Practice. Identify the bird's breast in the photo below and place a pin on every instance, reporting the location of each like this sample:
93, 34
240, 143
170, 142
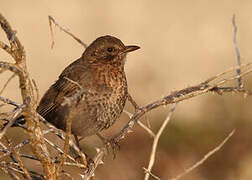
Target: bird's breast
112, 92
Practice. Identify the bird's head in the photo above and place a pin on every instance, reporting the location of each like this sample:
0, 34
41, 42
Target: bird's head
107, 50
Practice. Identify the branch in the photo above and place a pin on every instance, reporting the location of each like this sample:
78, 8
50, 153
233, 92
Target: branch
66, 145
51, 20
13, 118
155, 141
187, 93
240, 85
9, 101
19, 161
97, 161
27, 92
7, 82
207, 156
148, 130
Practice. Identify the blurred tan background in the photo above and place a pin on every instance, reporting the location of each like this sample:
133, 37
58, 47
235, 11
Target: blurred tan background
182, 43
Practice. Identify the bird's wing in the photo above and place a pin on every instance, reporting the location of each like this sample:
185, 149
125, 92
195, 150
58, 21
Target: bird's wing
66, 86
55, 95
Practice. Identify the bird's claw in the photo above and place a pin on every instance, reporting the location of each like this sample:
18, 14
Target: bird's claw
113, 145
110, 144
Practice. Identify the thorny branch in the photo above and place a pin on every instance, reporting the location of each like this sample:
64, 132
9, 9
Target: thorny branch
187, 93
37, 139
16, 50
16, 154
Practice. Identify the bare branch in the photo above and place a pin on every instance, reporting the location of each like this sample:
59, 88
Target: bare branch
5, 47
155, 141
11, 67
188, 93
7, 82
8, 101
7, 152
133, 102
13, 118
97, 161
149, 131
152, 175
66, 145
240, 85
19, 161
33, 129
51, 19
210, 153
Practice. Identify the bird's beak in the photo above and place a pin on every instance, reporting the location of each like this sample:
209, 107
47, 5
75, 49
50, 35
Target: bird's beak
130, 49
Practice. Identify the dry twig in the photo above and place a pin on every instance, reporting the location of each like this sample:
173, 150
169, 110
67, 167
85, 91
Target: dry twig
155, 141
240, 85
51, 20
27, 92
210, 153
19, 161
7, 82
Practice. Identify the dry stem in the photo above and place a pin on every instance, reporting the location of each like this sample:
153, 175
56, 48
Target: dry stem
155, 141
210, 153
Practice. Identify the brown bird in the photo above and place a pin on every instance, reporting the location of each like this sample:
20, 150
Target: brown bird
99, 72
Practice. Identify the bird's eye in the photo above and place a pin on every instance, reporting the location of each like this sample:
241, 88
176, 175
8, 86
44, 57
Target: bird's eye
110, 49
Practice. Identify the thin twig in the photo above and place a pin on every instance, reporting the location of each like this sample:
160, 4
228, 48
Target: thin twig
51, 19
36, 90
221, 74
13, 118
210, 153
149, 131
133, 102
155, 141
153, 175
19, 161
240, 85
98, 159
11, 67
5, 47
187, 93
66, 145
12, 174
58, 149
60, 135
7, 82
7, 152
9, 101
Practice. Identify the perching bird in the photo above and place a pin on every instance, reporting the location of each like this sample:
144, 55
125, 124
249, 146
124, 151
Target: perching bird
99, 73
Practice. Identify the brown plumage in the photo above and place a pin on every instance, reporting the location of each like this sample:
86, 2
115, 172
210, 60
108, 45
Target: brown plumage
100, 73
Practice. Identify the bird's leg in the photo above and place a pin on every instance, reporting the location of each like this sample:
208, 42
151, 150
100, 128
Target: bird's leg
77, 156
110, 143
77, 141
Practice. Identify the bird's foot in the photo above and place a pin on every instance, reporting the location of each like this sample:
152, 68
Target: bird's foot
82, 158
110, 144
89, 160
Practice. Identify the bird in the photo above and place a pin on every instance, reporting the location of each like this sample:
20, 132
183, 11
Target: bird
99, 74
